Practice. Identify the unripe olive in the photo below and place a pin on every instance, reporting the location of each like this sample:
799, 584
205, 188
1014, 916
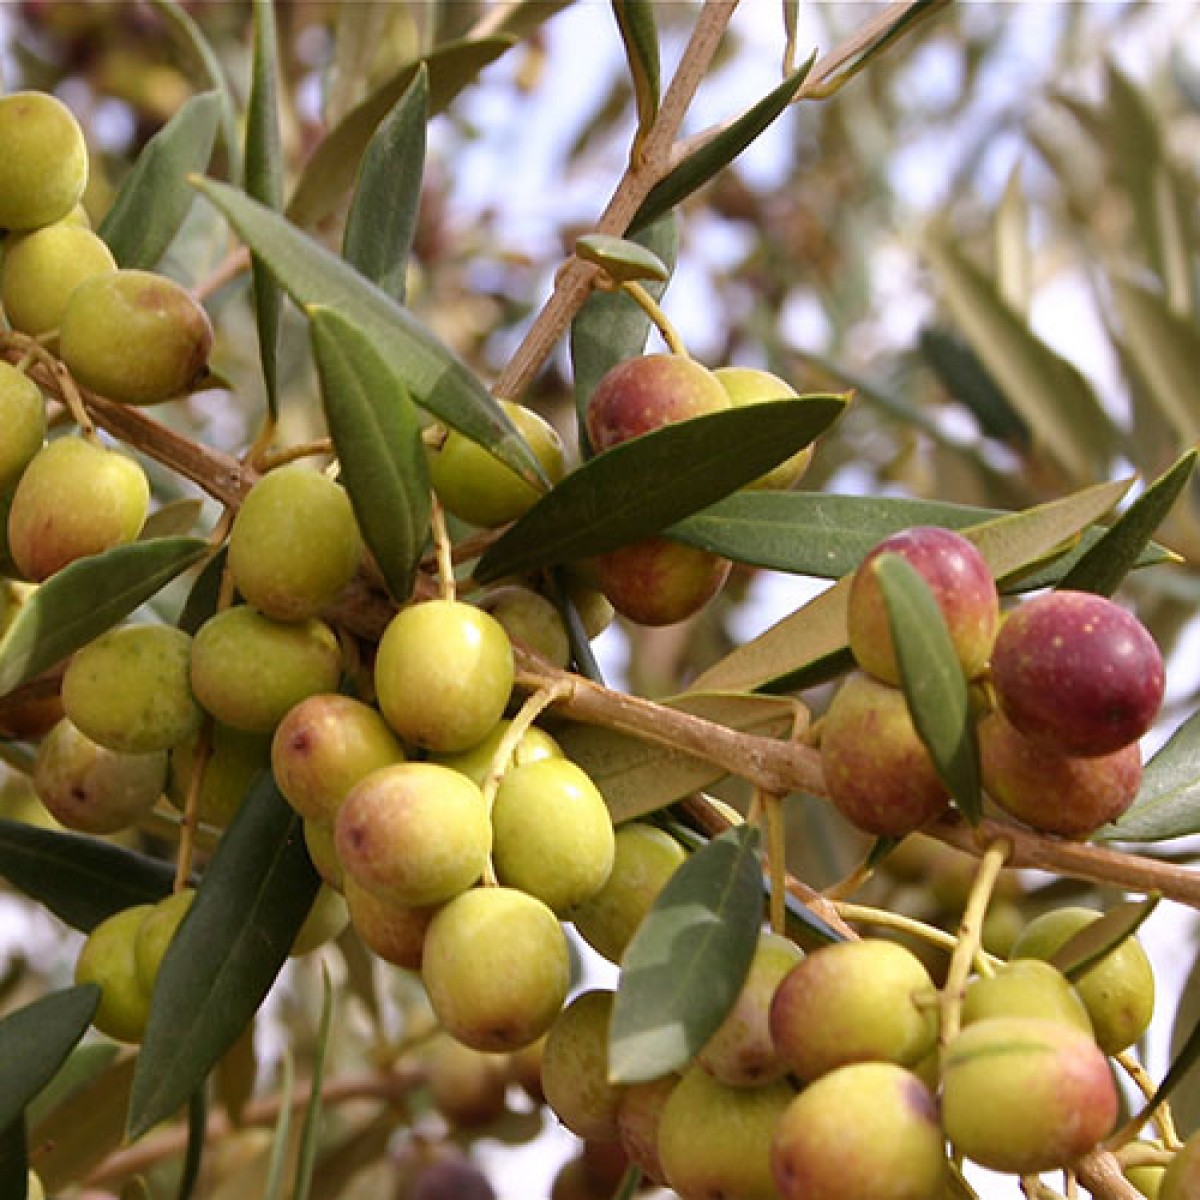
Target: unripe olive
749, 385
1182, 1178
867, 1131
1149, 1181
250, 671
443, 674
528, 617
134, 336
868, 1000
235, 760
1026, 987
414, 833
75, 499
129, 689
91, 789
715, 1140
477, 487
742, 1052
1026, 1096
1117, 990
638, 1119
395, 932
326, 919
43, 160
108, 959
23, 419
324, 746
575, 1068
294, 544
41, 269
496, 967
553, 837
476, 762
155, 933
644, 858
322, 851
468, 1087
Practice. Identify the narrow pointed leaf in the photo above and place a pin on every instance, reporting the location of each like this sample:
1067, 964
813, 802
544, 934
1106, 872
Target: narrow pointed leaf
1111, 558
700, 166
686, 964
932, 679
818, 629
35, 1042
637, 776
184, 31
155, 197
197, 1130
635, 19
1084, 949
281, 1137
175, 519
960, 371
1182, 1063
433, 374
383, 212
377, 435
1168, 802
83, 1066
80, 879
84, 599
264, 181
621, 258
612, 327
648, 483
310, 1131
1048, 391
14, 1163
218, 969
1014, 257
330, 171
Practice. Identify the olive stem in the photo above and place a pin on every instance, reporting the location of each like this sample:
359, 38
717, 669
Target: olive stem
653, 310
771, 809
269, 460
443, 549
190, 822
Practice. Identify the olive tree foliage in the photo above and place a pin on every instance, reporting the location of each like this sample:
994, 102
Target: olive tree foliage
340, 184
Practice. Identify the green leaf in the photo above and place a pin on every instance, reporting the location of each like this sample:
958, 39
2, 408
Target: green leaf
330, 171
611, 326
1185, 1027
1164, 349
1084, 949
637, 776
1114, 554
377, 435
220, 965
277, 1163
1014, 257
817, 631
264, 182
155, 197
177, 518
80, 879
84, 599
83, 1066
435, 376
14, 1168
310, 1131
1048, 391
635, 19
383, 212
646, 484
701, 165
688, 960
197, 1131
184, 31
35, 1042
932, 680
1168, 802
620, 258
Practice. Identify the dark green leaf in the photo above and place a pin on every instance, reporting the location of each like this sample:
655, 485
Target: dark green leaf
197, 1129
1113, 555
155, 197
612, 327
310, 1131
688, 960
36, 1040
620, 258
219, 967
1047, 390
14, 1168
204, 595
80, 879
383, 212
1084, 949
932, 679
187, 34
635, 19
1168, 802
84, 599
435, 376
330, 171
700, 166
377, 435
648, 483
264, 181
